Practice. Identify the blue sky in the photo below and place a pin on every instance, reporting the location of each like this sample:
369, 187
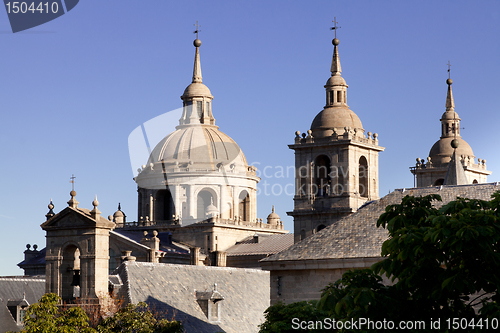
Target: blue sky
73, 89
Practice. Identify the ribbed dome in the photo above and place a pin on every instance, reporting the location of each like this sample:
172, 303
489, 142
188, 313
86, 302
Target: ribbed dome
334, 117
196, 89
441, 151
203, 146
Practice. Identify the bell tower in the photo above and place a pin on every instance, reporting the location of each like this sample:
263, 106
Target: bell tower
77, 256
336, 163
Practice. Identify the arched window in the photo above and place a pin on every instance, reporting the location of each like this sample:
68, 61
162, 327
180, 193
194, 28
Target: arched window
244, 206
321, 227
339, 96
363, 177
164, 206
439, 182
322, 171
112, 260
70, 271
475, 181
204, 199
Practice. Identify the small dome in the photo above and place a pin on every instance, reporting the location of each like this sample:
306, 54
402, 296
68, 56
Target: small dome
442, 150
118, 213
336, 80
211, 210
273, 218
336, 117
450, 115
196, 89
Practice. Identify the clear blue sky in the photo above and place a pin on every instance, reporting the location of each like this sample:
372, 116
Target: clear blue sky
72, 90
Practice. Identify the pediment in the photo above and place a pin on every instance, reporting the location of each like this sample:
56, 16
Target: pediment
75, 218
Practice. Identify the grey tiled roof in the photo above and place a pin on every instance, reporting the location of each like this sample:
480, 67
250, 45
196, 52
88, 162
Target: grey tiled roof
267, 245
13, 289
357, 235
172, 289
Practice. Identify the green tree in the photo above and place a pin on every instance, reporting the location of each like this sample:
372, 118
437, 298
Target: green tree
279, 317
45, 316
138, 319
443, 263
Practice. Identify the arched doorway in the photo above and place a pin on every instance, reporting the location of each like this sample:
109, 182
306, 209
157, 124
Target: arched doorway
439, 182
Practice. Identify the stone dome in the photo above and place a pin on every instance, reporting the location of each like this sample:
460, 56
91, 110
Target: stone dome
336, 117
202, 146
450, 115
441, 151
273, 218
196, 89
336, 80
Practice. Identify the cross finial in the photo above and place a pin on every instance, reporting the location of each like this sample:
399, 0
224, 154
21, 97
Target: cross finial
72, 181
197, 29
449, 70
335, 27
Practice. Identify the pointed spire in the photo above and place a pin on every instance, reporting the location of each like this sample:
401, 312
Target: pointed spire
455, 174
197, 64
335, 69
273, 208
450, 104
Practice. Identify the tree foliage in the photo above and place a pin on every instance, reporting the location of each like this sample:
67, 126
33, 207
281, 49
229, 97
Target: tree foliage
279, 316
443, 263
48, 316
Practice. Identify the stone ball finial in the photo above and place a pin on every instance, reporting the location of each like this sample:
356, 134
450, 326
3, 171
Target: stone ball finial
155, 233
454, 143
309, 132
72, 193
197, 42
28, 246
95, 203
110, 218
375, 135
297, 134
449, 81
35, 247
145, 233
51, 205
418, 160
335, 41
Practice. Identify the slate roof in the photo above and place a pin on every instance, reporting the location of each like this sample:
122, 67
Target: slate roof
13, 289
357, 235
269, 244
39, 259
172, 289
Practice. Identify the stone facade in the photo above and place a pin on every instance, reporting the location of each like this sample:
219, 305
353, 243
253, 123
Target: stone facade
336, 163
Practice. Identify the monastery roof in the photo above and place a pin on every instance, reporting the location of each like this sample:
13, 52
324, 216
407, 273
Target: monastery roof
267, 244
173, 289
39, 259
357, 235
17, 288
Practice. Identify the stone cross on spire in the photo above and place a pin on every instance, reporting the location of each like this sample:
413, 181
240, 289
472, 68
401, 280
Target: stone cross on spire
335, 26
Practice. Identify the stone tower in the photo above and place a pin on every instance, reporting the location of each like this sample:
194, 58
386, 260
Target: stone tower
197, 171
433, 171
336, 163
77, 254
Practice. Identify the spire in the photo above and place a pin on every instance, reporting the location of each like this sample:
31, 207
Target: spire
450, 104
455, 174
197, 64
335, 69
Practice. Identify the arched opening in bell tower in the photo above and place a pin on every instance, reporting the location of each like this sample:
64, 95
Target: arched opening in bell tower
70, 271
322, 172
363, 177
